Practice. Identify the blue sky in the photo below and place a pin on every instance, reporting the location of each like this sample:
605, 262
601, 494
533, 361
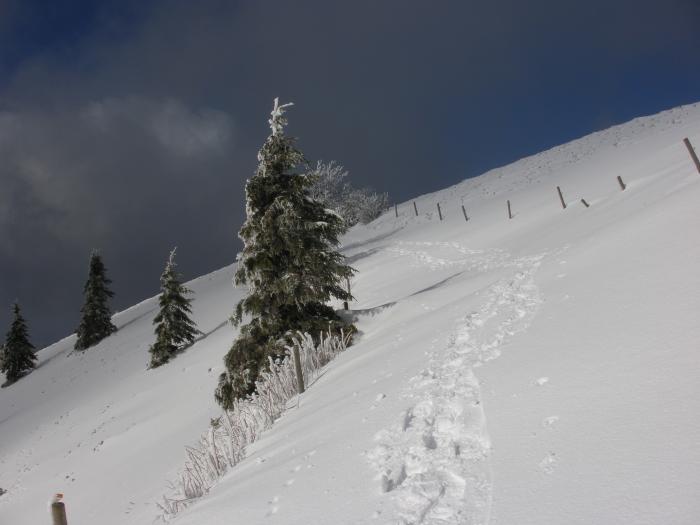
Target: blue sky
132, 126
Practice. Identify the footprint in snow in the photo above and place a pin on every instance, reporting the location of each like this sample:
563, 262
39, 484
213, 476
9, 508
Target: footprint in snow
274, 506
548, 464
541, 381
550, 421
377, 400
274, 502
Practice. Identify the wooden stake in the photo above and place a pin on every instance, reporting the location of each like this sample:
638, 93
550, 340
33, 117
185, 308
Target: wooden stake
585, 203
465, 213
58, 513
396, 211
692, 153
345, 303
297, 369
415, 208
510, 214
561, 198
439, 212
622, 184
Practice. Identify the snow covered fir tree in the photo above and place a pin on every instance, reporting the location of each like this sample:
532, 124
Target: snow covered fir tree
96, 319
17, 352
174, 329
289, 262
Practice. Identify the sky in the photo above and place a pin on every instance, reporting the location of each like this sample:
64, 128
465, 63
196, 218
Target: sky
131, 127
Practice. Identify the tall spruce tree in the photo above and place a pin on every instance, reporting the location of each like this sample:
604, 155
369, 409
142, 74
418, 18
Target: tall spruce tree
174, 328
96, 320
18, 353
289, 262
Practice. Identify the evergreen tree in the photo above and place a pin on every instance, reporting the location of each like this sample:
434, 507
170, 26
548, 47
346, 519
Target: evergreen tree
289, 263
96, 320
18, 352
174, 328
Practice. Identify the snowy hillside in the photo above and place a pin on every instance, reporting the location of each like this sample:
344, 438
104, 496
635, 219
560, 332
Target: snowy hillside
537, 370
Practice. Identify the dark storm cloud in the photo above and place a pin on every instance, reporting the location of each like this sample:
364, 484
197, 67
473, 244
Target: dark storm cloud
128, 176
141, 136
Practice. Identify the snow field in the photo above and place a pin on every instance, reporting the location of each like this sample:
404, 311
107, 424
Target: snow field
436, 460
536, 370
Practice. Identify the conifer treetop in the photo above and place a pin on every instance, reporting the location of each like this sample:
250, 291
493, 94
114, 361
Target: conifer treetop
277, 119
169, 266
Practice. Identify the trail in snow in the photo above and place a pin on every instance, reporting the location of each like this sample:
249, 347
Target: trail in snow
438, 255
434, 462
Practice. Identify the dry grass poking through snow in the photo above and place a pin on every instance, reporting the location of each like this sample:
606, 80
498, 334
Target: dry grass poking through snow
224, 444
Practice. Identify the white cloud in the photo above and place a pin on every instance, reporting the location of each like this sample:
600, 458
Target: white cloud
181, 130
187, 132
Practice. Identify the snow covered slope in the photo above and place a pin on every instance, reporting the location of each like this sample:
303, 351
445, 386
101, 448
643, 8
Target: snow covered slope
541, 369
101, 428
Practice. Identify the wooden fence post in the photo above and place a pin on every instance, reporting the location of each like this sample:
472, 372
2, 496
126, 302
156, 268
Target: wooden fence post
396, 211
415, 208
465, 213
692, 153
622, 184
510, 214
439, 212
345, 303
58, 511
585, 203
561, 198
297, 369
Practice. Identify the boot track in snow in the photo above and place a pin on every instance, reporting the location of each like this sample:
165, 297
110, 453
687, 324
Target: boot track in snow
434, 462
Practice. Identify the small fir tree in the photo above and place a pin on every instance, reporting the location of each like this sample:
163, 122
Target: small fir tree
18, 353
289, 262
174, 328
96, 320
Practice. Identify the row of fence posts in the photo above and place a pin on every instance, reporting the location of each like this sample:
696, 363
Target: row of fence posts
58, 508
621, 183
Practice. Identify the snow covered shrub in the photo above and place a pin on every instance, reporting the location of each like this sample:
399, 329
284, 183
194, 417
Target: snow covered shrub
224, 444
329, 185
331, 188
369, 204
